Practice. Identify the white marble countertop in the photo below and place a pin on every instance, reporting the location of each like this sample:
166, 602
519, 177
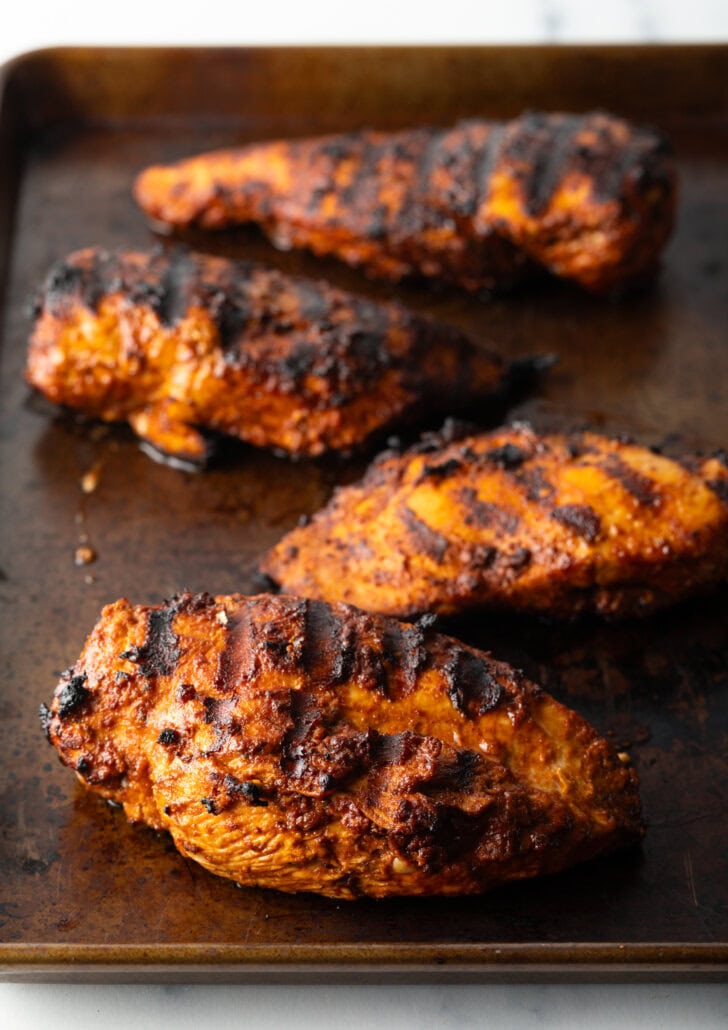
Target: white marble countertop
39, 23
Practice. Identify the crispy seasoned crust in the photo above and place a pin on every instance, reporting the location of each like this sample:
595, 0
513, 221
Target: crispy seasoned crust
303, 746
176, 341
510, 519
588, 197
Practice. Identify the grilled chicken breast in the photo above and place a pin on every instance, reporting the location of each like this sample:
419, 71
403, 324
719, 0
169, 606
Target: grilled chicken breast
303, 746
511, 519
588, 197
175, 342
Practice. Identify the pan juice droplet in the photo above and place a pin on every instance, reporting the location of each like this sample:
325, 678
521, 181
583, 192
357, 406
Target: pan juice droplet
84, 555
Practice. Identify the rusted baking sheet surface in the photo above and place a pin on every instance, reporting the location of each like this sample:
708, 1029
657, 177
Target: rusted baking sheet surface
85, 896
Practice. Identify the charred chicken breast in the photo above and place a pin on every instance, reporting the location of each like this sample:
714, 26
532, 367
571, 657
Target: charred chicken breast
173, 343
303, 746
589, 197
511, 519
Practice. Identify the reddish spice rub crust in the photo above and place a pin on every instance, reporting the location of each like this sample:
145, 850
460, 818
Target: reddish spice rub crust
589, 197
303, 746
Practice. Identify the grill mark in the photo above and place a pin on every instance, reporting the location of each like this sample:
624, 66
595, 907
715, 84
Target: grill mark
470, 687
173, 300
486, 165
639, 486
422, 173
534, 483
405, 654
236, 663
228, 305
548, 166
581, 518
159, 654
304, 715
484, 513
426, 539
329, 647
370, 155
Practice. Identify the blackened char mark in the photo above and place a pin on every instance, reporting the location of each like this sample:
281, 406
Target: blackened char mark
305, 716
86, 279
389, 749
250, 791
330, 644
454, 770
466, 765
230, 310
236, 663
641, 487
173, 300
485, 513
581, 518
63, 281
406, 653
485, 165
428, 159
425, 539
506, 457
73, 696
544, 144
532, 480
159, 654
168, 737
470, 686
442, 470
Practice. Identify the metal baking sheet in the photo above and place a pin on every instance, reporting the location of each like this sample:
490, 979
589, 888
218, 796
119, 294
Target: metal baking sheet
83, 895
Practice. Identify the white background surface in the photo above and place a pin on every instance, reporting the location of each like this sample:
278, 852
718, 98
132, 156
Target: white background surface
33, 23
